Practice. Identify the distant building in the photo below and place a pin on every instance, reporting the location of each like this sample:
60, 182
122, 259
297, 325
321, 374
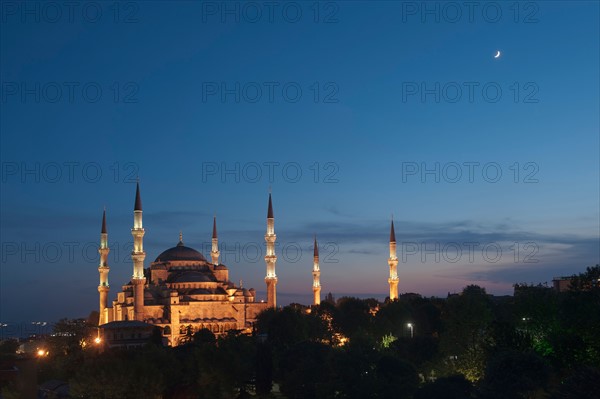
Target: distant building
29, 347
521, 289
126, 334
561, 284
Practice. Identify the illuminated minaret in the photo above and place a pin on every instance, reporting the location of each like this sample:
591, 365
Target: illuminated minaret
103, 269
316, 276
138, 255
393, 262
214, 253
271, 258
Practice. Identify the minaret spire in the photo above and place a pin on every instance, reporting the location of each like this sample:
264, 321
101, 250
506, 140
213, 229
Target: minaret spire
270, 257
270, 209
103, 270
103, 231
393, 263
214, 253
138, 255
138, 198
316, 275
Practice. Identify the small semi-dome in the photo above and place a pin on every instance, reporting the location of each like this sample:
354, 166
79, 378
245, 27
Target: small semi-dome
180, 252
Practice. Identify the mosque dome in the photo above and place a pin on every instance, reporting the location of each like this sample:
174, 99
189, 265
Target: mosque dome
180, 253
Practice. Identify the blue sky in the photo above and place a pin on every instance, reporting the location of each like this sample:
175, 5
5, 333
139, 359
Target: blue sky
92, 99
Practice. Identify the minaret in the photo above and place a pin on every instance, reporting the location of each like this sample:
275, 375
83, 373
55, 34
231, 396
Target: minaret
214, 253
103, 269
138, 255
271, 258
316, 276
393, 262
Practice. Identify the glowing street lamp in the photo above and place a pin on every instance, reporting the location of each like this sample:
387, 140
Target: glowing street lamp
409, 325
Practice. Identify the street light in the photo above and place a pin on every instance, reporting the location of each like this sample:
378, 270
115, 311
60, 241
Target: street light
411, 329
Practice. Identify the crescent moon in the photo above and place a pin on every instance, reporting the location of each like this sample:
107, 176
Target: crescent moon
497, 54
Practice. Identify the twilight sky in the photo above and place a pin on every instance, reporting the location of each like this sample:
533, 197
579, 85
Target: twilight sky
349, 110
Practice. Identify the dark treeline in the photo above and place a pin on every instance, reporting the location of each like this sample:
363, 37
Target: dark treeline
539, 343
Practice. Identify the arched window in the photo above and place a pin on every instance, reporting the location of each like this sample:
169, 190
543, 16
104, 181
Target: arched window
167, 330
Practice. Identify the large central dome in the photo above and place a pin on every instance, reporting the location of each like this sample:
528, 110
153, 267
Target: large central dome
180, 252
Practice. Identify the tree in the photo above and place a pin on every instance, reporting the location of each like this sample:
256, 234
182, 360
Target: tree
584, 383
287, 327
204, 337
93, 318
264, 369
264, 320
307, 371
466, 318
71, 335
226, 367
588, 280
156, 338
419, 350
392, 319
502, 336
8, 349
115, 375
355, 365
579, 317
513, 374
352, 316
8, 355
452, 387
396, 378
536, 312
